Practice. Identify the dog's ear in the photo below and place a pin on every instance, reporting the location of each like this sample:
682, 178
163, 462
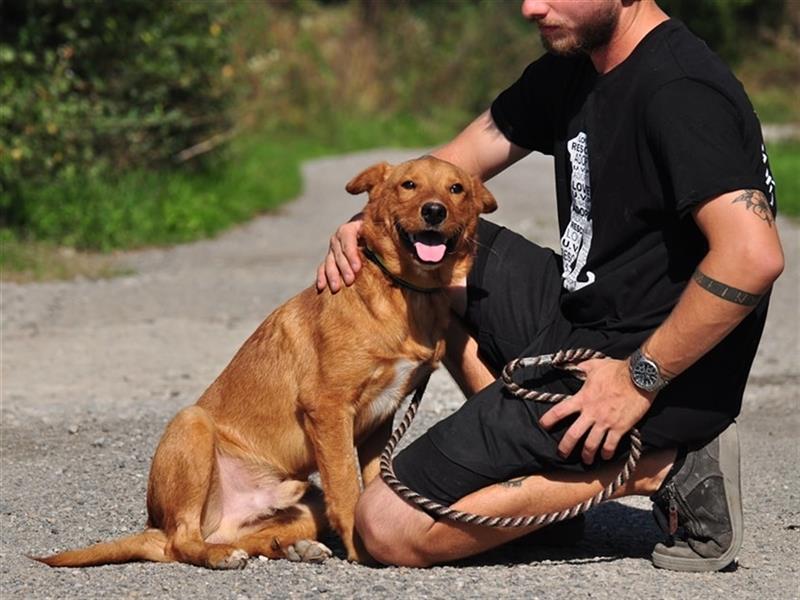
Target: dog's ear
369, 178
483, 196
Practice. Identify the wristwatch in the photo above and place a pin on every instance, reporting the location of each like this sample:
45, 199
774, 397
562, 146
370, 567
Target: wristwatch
645, 372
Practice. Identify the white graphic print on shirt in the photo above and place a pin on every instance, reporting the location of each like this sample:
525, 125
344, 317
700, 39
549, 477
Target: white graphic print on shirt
768, 180
577, 238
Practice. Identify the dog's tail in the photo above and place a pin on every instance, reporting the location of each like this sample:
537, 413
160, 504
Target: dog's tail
147, 545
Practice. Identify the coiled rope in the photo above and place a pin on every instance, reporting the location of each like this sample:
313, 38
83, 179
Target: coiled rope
563, 359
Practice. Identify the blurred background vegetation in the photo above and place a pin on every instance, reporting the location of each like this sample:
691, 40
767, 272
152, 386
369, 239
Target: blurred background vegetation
141, 122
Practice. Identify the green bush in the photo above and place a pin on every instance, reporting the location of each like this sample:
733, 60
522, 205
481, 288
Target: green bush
118, 88
725, 24
92, 87
304, 66
97, 97
784, 159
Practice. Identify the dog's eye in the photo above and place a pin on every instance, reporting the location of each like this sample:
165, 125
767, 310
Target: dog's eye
408, 184
456, 188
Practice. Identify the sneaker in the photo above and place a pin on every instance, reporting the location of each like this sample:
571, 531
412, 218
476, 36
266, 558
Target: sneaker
703, 497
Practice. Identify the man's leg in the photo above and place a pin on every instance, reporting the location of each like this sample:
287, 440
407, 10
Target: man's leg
703, 492
420, 540
398, 533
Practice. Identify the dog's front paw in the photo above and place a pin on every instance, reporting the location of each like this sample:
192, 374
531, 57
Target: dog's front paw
236, 559
308, 551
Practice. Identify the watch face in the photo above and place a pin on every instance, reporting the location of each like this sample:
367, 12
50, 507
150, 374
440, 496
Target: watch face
645, 374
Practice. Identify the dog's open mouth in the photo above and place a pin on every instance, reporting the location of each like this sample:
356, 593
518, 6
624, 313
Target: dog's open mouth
428, 246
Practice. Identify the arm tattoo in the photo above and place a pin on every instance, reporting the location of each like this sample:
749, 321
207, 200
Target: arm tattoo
754, 200
726, 292
513, 483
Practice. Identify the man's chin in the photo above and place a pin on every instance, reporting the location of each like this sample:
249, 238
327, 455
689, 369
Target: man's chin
562, 46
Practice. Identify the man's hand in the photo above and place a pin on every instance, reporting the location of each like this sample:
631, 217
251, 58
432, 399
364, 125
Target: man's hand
609, 405
342, 263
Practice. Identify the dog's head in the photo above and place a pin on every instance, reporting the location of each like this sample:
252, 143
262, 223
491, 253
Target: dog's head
421, 217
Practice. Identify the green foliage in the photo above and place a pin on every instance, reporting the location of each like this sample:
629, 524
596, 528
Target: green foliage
91, 86
727, 26
98, 96
306, 66
141, 206
784, 159
771, 77
119, 87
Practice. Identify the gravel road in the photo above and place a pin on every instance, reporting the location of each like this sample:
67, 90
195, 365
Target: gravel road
92, 371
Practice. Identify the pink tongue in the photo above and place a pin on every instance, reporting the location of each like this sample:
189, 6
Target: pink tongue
430, 253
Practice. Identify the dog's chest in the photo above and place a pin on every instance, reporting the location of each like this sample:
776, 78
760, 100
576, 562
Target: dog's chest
386, 401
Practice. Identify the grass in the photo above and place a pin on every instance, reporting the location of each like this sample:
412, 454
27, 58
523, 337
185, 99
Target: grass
784, 159
261, 172
71, 224
311, 68
769, 74
144, 207
26, 261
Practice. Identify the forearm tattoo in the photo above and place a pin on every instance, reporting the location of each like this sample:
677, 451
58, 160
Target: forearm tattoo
755, 201
514, 483
726, 292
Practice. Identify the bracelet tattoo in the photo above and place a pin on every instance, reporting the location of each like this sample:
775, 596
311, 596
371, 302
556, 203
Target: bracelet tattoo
756, 201
726, 292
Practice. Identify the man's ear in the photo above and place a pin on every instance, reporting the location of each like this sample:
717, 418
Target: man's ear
369, 178
483, 196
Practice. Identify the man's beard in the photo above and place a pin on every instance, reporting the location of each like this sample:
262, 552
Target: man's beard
589, 37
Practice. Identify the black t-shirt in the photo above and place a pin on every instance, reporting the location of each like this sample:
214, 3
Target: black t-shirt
635, 151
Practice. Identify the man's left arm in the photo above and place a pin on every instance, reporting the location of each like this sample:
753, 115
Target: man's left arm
744, 259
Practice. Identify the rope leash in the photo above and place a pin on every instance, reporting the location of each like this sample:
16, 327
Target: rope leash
563, 359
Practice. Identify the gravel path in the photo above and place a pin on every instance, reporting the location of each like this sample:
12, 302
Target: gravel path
92, 371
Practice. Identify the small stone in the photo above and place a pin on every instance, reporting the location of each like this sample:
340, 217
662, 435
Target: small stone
99, 442
72, 429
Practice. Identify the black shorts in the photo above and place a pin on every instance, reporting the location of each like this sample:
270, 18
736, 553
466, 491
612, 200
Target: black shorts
513, 309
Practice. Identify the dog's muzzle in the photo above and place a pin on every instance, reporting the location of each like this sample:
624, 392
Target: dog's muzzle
428, 246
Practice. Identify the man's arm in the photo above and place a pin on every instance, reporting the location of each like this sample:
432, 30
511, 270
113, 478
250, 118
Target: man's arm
743, 260
480, 149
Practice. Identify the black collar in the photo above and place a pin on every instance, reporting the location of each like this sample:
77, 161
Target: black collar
370, 254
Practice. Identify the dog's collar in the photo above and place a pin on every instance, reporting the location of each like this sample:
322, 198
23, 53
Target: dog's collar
370, 254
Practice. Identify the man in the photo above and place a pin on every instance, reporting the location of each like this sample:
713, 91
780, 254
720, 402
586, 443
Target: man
669, 249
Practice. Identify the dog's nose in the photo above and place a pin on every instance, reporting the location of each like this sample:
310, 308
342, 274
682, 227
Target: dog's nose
433, 213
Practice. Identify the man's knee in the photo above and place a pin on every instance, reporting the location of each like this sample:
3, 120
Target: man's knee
389, 528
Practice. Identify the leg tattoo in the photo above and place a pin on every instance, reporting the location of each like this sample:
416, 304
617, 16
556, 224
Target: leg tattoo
513, 483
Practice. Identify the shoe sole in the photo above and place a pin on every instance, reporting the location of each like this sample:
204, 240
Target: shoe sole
730, 466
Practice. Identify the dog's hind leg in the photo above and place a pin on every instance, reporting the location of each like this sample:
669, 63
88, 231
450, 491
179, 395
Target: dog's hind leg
182, 478
292, 533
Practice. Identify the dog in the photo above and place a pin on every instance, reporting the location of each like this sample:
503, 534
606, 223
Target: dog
322, 375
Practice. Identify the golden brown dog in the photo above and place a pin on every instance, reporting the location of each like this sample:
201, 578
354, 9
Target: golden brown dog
321, 375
